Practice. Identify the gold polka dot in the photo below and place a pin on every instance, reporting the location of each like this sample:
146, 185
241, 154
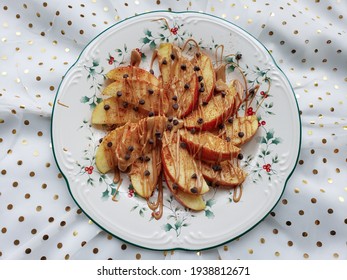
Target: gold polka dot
138, 256
60, 245
32, 174
330, 211
262, 240
225, 248
315, 171
313, 200
67, 256
306, 256
3, 172
3, 230
51, 219
277, 254
317, 222
332, 232
56, 197
123, 247
62, 223
83, 243
9, 207
27, 196
27, 251
296, 190
319, 244
45, 237
290, 243
33, 231
21, 219
67, 208
275, 231
38, 208
301, 212
43, 258
250, 251
15, 184
95, 250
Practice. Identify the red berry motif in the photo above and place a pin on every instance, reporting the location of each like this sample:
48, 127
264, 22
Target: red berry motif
110, 60
89, 169
267, 167
250, 111
262, 93
131, 193
174, 30
138, 50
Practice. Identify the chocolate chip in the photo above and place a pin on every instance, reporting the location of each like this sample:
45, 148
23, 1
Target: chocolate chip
175, 122
141, 101
150, 114
204, 103
198, 54
240, 134
135, 108
216, 167
127, 157
170, 119
100, 140
147, 158
184, 67
130, 148
147, 173
200, 78
183, 145
230, 120
141, 158
174, 186
125, 76
109, 144
194, 190
169, 127
151, 71
150, 91
175, 106
200, 121
125, 104
228, 139
194, 176
164, 61
119, 93
193, 130
106, 107
150, 141
240, 156
223, 94
157, 134
196, 68
202, 89
174, 97
173, 56
186, 86
221, 126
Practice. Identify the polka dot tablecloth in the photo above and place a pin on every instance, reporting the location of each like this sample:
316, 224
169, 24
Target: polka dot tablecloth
41, 40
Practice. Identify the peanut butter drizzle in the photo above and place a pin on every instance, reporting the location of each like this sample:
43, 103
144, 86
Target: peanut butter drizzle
160, 203
237, 194
135, 58
114, 197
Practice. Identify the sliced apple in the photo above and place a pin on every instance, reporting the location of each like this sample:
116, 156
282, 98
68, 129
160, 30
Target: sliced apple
210, 116
133, 73
208, 147
223, 174
191, 201
124, 145
241, 129
181, 167
145, 172
105, 157
179, 80
112, 112
142, 94
206, 76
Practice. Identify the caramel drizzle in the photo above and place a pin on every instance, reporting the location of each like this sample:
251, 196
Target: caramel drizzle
157, 213
237, 194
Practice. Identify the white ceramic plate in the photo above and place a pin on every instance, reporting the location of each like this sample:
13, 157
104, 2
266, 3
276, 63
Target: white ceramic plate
269, 158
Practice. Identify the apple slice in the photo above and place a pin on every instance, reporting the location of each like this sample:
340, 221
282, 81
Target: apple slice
145, 172
241, 129
122, 146
134, 73
112, 112
206, 76
210, 116
179, 80
223, 174
208, 147
105, 157
181, 167
142, 94
191, 201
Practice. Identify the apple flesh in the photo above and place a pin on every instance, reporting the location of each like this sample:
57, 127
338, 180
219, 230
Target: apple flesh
223, 174
191, 201
112, 112
208, 147
179, 80
139, 93
240, 130
134, 73
181, 167
206, 76
145, 173
124, 145
217, 111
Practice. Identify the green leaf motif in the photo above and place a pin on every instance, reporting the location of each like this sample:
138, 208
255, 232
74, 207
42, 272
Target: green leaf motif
152, 45
105, 194
167, 227
276, 141
145, 40
209, 214
148, 33
270, 134
210, 202
85, 99
96, 63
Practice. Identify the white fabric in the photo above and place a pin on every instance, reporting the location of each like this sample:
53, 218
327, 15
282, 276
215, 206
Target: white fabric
41, 40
